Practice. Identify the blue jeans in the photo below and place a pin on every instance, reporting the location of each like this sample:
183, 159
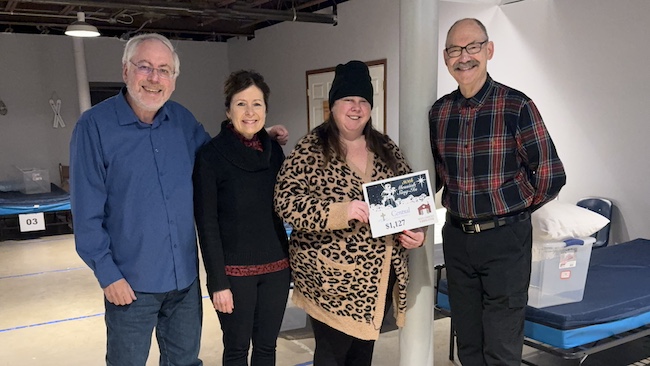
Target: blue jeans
176, 316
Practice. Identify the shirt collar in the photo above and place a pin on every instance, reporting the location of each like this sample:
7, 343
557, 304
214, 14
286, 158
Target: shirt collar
126, 115
479, 98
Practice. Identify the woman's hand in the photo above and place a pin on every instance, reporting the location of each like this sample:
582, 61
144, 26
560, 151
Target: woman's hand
410, 239
358, 210
222, 301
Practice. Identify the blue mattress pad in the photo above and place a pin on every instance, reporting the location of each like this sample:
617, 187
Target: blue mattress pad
616, 288
16, 203
15, 198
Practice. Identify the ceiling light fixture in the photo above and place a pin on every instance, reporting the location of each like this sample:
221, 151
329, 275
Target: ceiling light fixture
80, 28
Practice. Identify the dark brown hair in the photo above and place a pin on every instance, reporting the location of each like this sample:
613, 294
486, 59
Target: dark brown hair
241, 80
328, 136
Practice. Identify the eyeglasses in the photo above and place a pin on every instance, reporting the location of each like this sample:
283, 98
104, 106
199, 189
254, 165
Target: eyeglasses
472, 48
164, 73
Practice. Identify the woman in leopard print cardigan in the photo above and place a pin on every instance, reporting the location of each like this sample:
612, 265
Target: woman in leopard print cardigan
343, 277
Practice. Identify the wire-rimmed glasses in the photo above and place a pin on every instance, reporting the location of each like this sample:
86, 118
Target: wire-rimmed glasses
163, 72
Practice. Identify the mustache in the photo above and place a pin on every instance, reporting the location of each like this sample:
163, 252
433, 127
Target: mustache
468, 64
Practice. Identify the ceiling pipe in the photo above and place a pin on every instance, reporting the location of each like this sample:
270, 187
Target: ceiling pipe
299, 7
168, 6
83, 87
18, 13
281, 15
234, 12
114, 28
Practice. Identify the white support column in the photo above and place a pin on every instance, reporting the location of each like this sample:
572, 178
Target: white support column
417, 92
82, 74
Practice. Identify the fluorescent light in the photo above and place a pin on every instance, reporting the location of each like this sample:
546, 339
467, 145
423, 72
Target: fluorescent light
80, 28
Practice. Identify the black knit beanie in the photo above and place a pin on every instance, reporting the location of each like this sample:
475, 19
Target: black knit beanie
351, 80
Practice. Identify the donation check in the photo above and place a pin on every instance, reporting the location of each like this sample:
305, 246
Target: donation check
400, 203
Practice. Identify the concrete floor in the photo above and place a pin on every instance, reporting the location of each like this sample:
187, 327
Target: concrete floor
51, 313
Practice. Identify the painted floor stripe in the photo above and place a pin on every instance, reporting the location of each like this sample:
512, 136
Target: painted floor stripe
44, 272
51, 322
88, 316
60, 320
101, 314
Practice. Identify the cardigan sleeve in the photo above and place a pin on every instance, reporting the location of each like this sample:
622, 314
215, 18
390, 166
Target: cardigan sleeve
295, 199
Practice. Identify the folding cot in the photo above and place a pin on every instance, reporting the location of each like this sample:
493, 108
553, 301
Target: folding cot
54, 205
615, 308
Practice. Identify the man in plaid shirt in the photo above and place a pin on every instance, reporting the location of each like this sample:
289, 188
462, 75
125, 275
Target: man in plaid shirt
497, 163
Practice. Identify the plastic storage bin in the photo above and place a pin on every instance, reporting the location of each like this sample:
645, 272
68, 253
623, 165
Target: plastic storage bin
559, 271
33, 180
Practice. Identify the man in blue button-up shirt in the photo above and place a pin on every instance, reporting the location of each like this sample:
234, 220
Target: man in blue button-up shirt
131, 162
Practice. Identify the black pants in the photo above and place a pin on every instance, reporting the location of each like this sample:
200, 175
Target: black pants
335, 348
259, 308
488, 275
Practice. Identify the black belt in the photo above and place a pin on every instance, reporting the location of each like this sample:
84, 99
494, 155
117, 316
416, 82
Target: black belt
474, 226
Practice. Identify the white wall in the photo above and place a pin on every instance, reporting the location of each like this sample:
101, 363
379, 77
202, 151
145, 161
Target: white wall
367, 30
35, 68
199, 87
583, 65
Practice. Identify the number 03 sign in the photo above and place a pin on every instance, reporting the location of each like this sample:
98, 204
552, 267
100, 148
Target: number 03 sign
400, 203
32, 222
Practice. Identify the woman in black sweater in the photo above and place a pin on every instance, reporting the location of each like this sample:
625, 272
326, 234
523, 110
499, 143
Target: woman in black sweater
242, 240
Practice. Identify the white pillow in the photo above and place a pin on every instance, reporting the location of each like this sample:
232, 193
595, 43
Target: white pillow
558, 221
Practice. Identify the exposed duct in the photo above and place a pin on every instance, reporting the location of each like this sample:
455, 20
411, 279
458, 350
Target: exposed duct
198, 19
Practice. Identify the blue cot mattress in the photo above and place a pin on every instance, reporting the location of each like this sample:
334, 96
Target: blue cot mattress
616, 300
13, 202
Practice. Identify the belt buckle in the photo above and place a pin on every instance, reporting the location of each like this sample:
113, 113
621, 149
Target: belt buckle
471, 227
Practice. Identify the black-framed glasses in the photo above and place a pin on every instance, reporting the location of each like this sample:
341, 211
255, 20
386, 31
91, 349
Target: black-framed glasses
472, 49
163, 72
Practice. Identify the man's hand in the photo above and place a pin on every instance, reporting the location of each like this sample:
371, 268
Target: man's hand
119, 293
279, 133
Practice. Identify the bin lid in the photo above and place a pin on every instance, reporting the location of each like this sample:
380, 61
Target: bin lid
564, 243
